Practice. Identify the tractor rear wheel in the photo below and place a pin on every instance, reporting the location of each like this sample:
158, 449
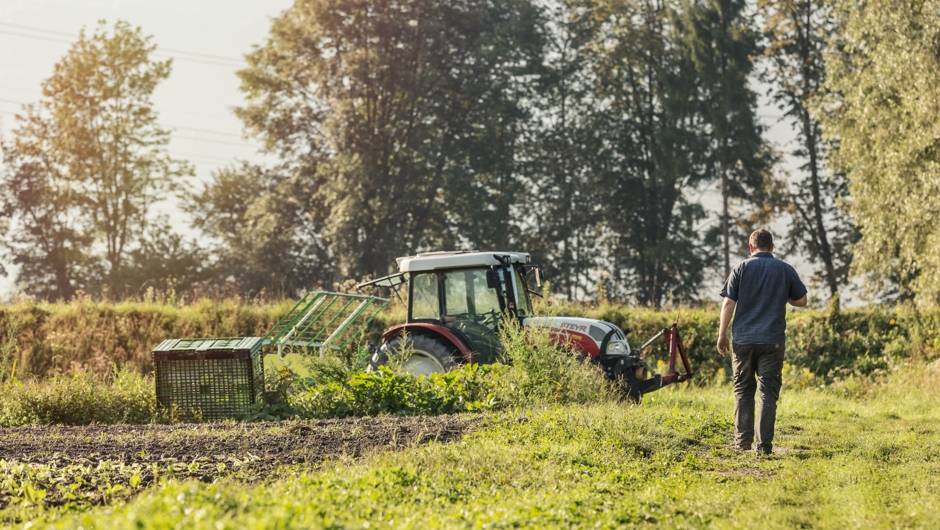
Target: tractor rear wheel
425, 355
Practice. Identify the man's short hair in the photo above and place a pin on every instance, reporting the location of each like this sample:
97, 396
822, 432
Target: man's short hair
761, 239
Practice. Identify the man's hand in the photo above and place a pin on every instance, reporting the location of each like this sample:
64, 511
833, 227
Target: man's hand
727, 310
723, 345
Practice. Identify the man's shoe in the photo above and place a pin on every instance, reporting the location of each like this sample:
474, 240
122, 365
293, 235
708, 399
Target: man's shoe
764, 451
741, 448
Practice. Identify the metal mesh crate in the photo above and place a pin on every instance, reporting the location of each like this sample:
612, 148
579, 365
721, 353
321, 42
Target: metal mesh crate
209, 379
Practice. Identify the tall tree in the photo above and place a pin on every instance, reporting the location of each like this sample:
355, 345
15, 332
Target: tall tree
267, 229
45, 242
797, 32
561, 164
719, 38
649, 127
406, 115
883, 90
93, 147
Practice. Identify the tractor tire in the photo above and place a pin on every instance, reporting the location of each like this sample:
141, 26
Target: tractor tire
429, 355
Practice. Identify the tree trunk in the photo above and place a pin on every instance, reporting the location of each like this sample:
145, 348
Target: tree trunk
825, 251
809, 134
725, 229
63, 281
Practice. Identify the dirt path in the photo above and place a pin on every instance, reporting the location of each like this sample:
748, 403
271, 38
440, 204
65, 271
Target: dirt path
92, 456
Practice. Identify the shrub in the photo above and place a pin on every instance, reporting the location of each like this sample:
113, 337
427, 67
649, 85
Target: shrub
470, 388
538, 372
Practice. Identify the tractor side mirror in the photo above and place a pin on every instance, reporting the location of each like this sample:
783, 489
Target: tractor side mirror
492, 279
538, 277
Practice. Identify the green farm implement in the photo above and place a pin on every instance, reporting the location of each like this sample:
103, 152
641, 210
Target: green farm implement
222, 378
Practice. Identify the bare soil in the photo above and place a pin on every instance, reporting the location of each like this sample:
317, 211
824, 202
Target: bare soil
94, 455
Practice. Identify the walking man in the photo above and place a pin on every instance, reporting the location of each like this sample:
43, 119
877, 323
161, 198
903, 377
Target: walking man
759, 288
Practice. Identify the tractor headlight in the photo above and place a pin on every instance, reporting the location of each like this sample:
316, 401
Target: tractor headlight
616, 348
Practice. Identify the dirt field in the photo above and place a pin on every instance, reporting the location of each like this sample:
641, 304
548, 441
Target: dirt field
85, 464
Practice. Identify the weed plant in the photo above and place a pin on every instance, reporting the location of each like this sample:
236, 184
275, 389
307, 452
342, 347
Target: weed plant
541, 372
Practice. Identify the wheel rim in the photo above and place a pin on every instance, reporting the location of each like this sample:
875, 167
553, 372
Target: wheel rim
421, 364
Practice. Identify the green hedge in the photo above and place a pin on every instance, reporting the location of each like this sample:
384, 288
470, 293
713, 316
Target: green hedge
828, 344
45, 339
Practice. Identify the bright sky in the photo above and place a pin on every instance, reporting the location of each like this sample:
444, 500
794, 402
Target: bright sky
208, 39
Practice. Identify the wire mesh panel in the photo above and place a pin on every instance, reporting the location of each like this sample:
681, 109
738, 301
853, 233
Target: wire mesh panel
209, 379
325, 320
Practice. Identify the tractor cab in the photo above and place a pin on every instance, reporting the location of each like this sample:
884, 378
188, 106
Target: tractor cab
459, 298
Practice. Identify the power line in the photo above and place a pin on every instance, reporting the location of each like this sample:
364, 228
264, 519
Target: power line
211, 141
34, 36
206, 131
157, 53
72, 35
204, 157
191, 129
198, 162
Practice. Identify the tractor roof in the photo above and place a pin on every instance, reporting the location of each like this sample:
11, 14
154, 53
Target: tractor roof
430, 261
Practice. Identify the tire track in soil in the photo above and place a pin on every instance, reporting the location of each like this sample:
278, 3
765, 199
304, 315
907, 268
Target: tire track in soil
97, 454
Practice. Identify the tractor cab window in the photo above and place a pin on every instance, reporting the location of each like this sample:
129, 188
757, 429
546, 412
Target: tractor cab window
467, 298
473, 308
424, 302
456, 298
523, 304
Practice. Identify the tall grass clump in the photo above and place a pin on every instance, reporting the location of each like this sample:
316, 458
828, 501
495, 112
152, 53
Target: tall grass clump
79, 399
8, 350
542, 372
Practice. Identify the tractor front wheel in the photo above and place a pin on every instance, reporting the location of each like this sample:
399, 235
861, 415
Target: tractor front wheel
416, 354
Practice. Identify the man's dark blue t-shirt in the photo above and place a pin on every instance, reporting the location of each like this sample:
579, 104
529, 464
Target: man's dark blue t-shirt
761, 286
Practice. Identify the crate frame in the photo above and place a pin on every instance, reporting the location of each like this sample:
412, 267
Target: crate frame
209, 379
324, 320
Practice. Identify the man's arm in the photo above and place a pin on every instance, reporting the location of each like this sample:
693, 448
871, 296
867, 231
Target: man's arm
798, 292
798, 303
727, 309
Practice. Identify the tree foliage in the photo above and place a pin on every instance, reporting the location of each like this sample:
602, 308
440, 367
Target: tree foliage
266, 226
563, 208
719, 38
796, 32
649, 128
404, 115
46, 243
571, 129
883, 107
86, 164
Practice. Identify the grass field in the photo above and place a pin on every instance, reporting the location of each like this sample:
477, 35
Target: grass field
859, 454
541, 442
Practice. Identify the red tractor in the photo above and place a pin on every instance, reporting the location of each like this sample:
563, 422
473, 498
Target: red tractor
457, 302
